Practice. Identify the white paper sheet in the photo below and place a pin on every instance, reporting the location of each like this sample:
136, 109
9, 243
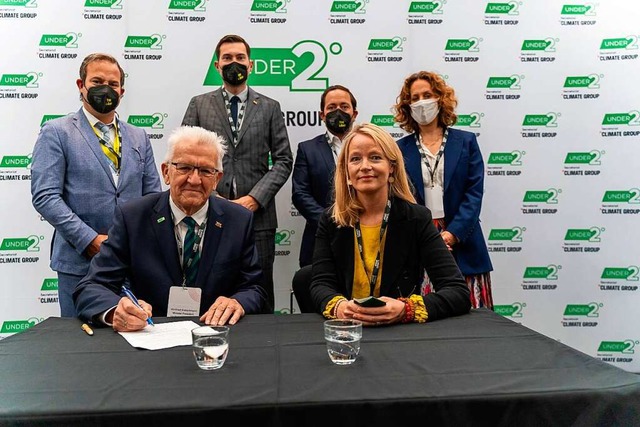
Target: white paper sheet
162, 335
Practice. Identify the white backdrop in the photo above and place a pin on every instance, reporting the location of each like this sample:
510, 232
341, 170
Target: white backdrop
550, 88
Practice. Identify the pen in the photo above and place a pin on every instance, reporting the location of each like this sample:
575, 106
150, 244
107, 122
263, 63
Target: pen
134, 300
87, 329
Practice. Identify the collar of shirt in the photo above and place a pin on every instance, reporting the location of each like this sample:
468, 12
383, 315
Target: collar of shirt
334, 141
93, 119
178, 214
242, 95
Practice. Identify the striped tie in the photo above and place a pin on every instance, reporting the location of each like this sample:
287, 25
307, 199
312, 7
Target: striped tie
107, 146
190, 271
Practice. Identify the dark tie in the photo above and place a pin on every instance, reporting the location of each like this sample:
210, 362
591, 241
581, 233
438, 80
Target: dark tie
234, 109
190, 271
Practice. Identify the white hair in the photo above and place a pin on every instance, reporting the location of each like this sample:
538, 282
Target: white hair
202, 136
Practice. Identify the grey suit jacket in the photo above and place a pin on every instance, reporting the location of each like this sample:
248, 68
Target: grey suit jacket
73, 189
263, 131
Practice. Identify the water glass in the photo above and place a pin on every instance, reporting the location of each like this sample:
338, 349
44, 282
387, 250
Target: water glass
343, 340
210, 346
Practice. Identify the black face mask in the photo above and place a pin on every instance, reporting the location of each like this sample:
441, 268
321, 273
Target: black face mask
338, 122
235, 73
103, 98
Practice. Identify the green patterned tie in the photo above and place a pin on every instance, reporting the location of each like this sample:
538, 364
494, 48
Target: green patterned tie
190, 270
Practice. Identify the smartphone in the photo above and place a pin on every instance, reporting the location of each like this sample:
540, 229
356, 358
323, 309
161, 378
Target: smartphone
370, 302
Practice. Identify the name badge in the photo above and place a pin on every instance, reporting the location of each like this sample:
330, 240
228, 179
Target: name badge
184, 302
434, 200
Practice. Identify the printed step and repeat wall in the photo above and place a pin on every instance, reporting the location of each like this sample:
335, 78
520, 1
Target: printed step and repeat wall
550, 87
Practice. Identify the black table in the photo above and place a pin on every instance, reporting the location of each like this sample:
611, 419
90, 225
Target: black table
478, 369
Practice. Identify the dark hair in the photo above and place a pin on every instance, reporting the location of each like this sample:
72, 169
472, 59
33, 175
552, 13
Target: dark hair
446, 101
354, 103
232, 38
94, 57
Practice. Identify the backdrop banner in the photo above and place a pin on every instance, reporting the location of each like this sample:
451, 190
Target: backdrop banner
546, 85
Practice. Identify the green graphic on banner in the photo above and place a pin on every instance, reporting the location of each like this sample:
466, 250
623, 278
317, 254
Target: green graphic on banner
584, 234
547, 45
283, 237
591, 81
49, 285
471, 120
69, 40
514, 158
506, 234
19, 3
512, 310
512, 82
621, 273
588, 310
111, 4
590, 158
469, 45
195, 5
356, 6
541, 196
15, 162
13, 326
29, 80
622, 196
434, 7
548, 120
630, 42
383, 120
394, 44
297, 67
626, 346
510, 8
29, 244
153, 41
278, 6
48, 117
549, 272
632, 118
154, 121
578, 9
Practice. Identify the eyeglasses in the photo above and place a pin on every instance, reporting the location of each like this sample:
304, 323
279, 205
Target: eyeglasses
187, 169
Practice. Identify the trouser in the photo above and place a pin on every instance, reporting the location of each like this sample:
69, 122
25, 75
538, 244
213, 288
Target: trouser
66, 285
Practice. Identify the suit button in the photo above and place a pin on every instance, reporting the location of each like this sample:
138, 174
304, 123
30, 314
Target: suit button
235, 159
117, 194
227, 184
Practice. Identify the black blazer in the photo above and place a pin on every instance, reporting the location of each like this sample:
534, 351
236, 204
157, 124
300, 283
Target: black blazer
412, 244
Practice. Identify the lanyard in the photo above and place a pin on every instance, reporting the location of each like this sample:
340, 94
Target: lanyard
194, 251
376, 265
110, 147
432, 171
235, 130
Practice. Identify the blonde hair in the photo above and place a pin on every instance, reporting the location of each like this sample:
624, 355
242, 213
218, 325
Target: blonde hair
347, 208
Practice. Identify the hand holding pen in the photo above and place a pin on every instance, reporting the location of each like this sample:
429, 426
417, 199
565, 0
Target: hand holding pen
131, 314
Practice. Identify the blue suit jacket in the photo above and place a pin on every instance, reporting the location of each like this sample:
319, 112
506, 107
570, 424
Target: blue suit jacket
142, 248
312, 188
73, 189
463, 189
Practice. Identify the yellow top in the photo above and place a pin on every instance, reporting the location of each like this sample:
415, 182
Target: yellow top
371, 245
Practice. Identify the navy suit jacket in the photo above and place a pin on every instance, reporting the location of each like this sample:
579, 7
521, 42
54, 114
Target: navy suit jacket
142, 248
412, 244
312, 190
463, 189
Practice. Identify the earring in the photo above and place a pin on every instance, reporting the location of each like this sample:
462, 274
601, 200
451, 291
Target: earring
391, 180
349, 182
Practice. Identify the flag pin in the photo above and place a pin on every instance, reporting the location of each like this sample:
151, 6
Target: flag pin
161, 219
218, 224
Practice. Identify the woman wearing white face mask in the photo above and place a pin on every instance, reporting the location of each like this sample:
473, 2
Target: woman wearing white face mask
447, 172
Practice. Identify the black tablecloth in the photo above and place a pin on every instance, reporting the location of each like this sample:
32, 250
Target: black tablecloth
477, 369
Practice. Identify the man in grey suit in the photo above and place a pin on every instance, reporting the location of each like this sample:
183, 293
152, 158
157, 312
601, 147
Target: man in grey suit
255, 132
85, 164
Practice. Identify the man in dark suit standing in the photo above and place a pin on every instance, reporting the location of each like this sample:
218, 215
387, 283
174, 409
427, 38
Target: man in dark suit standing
316, 163
255, 129
184, 252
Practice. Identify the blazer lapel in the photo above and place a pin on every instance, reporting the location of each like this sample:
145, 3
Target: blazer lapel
126, 151
90, 137
164, 230
327, 154
212, 235
220, 111
253, 103
452, 152
413, 164
395, 249
343, 247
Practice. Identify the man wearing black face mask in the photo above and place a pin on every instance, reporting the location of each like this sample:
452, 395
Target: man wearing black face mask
316, 160
254, 129
83, 165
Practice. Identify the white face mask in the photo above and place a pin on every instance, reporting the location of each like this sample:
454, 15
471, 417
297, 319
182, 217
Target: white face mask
425, 111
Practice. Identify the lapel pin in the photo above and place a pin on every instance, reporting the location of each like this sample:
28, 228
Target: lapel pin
218, 224
255, 102
161, 219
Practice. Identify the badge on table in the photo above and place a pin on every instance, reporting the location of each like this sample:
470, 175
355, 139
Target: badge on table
184, 301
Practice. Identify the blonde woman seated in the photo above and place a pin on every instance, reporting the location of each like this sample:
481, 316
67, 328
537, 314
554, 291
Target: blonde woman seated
375, 241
